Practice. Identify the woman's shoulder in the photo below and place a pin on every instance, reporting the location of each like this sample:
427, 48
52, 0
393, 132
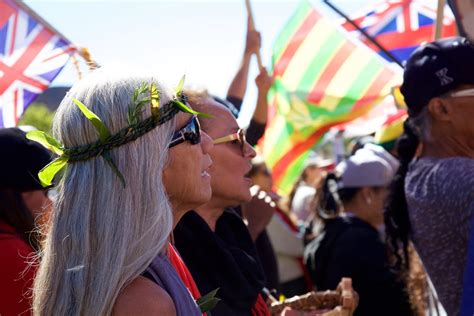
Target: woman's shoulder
143, 297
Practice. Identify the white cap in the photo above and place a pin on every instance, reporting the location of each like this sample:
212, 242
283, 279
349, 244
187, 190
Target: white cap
364, 169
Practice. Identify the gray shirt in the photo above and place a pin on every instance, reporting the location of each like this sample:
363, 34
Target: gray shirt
440, 197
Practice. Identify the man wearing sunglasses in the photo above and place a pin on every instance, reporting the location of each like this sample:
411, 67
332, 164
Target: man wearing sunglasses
432, 199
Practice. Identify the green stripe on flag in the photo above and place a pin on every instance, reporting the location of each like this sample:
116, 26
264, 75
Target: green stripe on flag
319, 62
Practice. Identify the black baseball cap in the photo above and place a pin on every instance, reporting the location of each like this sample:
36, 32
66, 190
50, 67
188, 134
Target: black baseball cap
435, 69
20, 161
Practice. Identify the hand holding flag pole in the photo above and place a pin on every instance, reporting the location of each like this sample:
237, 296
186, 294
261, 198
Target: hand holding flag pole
252, 28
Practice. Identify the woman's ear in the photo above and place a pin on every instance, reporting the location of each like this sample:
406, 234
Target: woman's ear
367, 194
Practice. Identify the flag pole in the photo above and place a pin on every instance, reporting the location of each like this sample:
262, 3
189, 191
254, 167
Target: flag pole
439, 19
252, 28
370, 38
37, 17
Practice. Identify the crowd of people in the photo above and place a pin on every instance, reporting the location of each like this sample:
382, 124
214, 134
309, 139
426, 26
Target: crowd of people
160, 205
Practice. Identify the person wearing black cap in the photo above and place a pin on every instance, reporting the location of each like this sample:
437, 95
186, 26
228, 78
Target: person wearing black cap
23, 201
432, 197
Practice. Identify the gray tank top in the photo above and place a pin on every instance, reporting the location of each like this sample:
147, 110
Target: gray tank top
163, 273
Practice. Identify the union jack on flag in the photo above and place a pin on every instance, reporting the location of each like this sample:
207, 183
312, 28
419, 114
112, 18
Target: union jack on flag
400, 26
31, 56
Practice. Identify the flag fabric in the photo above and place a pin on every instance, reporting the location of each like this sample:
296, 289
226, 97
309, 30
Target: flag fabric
392, 129
321, 79
31, 56
400, 26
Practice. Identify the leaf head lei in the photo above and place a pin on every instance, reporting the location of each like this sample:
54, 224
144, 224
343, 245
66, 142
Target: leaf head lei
146, 94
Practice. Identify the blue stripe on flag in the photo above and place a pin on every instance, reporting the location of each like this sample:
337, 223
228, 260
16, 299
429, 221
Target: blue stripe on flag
51, 74
31, 24
3, 39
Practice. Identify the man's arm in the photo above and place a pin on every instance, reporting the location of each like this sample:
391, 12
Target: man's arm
239, 84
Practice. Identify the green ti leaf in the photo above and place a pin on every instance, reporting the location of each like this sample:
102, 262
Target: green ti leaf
47, 141
208, 301
111, 163
47, 174
95, 120
180, 86
183, 107
135, 107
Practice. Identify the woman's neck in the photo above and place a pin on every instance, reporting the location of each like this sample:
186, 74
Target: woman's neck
210, 214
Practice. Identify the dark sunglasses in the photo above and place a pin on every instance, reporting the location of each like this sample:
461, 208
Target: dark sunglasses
190, 132
238, 136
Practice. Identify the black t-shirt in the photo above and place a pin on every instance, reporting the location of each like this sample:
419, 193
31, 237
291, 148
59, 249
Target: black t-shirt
352, 248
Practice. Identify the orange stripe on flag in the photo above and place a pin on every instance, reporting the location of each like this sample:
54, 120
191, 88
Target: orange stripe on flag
319, 90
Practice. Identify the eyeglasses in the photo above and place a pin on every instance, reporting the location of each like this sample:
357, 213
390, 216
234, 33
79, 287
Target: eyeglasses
238, 136
462, 93
191, 132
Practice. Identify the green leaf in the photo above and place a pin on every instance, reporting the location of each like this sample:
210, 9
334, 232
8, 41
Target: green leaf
47, 141
108, 159
47, 174
183, 107
208, 301
95, 120
180, 86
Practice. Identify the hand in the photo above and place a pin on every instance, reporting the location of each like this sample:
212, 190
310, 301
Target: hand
349, 297
263, 82
253, 41
258, 212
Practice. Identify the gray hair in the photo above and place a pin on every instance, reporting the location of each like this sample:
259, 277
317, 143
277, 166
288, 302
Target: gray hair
422, 123
101, 235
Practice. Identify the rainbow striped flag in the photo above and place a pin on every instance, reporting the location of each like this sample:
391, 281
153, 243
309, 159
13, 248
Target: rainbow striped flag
321, 79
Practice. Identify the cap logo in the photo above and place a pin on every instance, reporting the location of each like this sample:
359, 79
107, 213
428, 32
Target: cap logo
443, 77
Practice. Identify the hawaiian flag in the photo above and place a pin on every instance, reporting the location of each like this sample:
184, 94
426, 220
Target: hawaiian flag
31, 56
400, 26
322, 78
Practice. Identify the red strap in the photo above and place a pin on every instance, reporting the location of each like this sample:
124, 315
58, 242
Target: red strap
260, 308
183, 272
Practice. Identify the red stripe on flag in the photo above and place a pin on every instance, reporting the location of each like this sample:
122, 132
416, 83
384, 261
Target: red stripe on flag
69, 50
393, 40
12, 43
295, 43
282, 164
6, 12
319, 89
395, 117
406, 16
16, 71
373, 93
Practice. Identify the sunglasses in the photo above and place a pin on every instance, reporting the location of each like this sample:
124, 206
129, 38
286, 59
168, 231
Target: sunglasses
190, 132
238, 136
462, 93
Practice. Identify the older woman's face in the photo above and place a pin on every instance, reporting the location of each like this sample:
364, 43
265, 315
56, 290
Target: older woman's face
231, 161
186, 177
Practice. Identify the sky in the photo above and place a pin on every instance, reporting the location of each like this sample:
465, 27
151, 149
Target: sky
202, 39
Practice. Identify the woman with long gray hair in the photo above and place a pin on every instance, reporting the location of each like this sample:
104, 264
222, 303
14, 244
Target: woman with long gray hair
132, 163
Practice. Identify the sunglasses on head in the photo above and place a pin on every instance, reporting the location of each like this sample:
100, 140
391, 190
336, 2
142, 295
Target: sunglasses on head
238, 136
190, 132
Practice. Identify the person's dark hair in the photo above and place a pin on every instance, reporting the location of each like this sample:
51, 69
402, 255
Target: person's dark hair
330, 198
14, 212
397, 221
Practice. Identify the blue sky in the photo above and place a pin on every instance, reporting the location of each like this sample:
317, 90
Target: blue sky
204, 39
